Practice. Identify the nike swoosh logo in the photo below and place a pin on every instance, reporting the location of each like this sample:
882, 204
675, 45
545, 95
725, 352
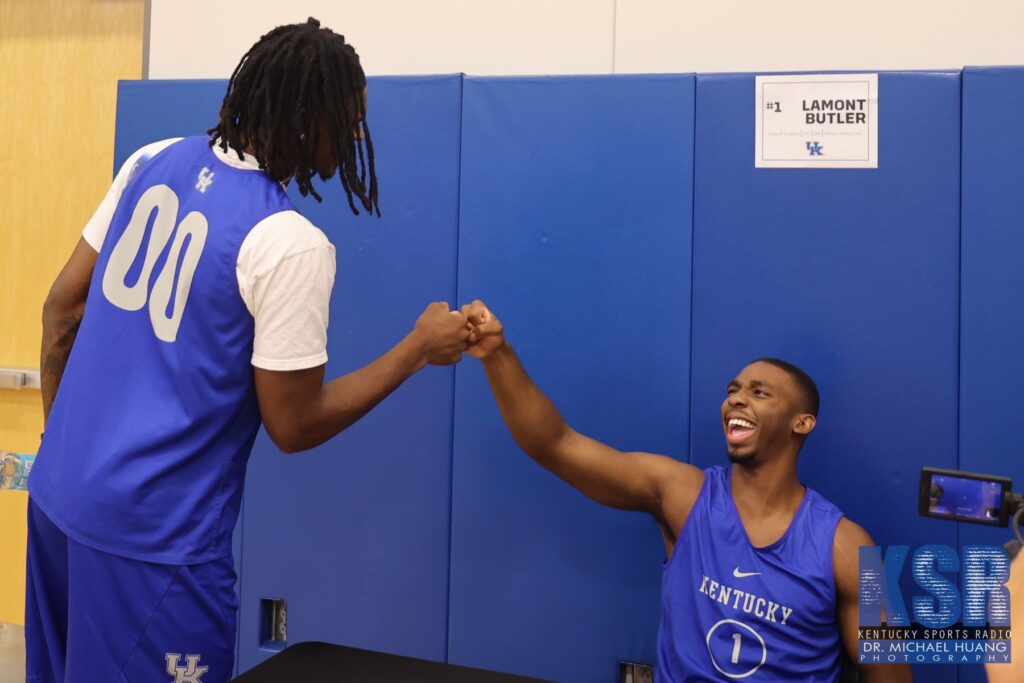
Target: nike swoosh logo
742, 575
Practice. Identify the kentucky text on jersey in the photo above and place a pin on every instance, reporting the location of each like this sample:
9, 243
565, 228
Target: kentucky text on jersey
745, 602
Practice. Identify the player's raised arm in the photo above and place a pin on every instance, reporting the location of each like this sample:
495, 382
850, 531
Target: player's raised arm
629, 481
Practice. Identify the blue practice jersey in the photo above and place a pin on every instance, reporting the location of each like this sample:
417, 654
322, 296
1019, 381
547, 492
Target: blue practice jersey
147, 442
731, 611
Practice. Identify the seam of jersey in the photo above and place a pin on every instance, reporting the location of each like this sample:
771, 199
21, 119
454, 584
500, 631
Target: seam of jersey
831, 573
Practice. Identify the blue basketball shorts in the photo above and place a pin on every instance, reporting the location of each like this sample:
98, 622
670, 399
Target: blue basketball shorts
95, 617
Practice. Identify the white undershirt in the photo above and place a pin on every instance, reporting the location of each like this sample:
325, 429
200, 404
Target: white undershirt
285, 270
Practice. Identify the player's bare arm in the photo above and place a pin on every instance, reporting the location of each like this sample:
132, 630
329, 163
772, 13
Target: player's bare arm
62, 315
845, 553
301, 412
1014, 671
659, 485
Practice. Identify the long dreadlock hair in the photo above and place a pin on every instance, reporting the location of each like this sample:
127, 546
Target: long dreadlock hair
297, 82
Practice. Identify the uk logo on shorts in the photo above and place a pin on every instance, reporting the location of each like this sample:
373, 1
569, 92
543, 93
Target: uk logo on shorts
190, 673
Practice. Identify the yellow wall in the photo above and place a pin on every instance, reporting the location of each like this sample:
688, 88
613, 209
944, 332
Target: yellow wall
60, 61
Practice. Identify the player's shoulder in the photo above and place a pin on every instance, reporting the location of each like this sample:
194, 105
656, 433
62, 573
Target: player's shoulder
280, 236
849, 534
137, 159
149, 151
676, 472
849, 538
290, 232
154, 148
678, 483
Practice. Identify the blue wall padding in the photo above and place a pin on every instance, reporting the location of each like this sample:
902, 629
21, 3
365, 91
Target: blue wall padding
355, 533
992, 286
851, 274
575, 227
148, 111
583, 210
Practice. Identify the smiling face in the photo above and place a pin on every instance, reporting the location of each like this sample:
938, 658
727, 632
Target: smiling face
764, 414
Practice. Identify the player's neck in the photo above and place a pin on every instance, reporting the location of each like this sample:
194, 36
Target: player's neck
766, 487
251, 151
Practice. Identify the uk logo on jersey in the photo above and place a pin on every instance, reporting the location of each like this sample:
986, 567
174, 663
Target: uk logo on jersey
190, 673
205, 179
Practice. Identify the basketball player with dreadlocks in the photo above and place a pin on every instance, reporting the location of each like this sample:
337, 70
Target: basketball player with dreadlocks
194, 307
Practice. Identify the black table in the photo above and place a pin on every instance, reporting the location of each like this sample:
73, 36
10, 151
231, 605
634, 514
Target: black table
325, 663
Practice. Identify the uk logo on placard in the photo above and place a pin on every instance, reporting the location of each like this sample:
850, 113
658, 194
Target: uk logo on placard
945, 625
815, 149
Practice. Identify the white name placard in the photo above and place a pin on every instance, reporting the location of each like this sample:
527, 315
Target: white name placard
816, 121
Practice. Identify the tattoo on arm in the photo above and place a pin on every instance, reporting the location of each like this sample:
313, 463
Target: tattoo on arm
58, 338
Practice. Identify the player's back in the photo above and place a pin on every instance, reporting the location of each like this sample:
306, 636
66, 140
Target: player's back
148, 438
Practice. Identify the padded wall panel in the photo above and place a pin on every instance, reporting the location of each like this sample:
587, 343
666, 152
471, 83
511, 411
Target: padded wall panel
148, 111
851, 274
575, 228
354, 534
992, 287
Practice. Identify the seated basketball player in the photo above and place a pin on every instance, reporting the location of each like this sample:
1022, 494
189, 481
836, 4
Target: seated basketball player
762, 574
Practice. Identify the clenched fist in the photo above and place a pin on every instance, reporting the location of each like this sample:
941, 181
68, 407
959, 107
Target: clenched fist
487, 334
441, 334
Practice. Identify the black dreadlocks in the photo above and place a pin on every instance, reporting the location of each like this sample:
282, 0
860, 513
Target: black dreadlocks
297, 82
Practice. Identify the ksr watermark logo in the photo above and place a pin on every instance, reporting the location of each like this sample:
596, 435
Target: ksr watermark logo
948, 626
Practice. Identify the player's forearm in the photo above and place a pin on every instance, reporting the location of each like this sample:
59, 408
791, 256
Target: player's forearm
60, 327
535, 423
343, 401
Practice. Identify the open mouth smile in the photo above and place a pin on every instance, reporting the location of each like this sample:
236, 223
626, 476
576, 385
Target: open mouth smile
739, 430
